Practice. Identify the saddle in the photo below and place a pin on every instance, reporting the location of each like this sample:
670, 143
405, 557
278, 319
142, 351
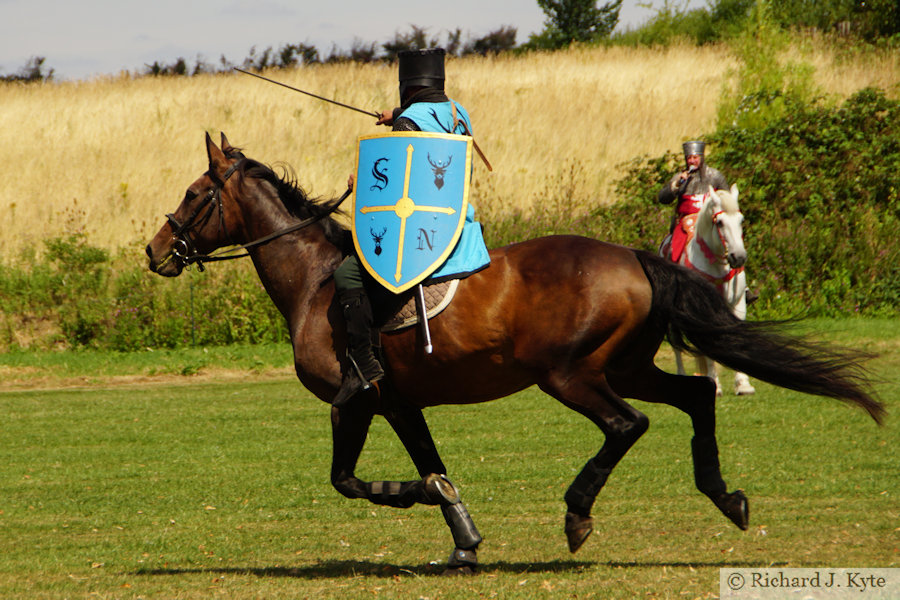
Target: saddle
399, 311
682, 234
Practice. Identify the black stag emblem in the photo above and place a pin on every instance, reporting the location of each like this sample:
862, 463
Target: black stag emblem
439, 169
378, 237
381, 179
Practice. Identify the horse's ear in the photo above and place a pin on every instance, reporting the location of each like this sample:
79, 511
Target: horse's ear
216, 156
226, 147
734, 191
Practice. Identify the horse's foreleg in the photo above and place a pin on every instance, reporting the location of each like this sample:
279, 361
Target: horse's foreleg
349, 428
350, 425
679, 363
738, 302
707, 366
696, 397
410, 426
621, 424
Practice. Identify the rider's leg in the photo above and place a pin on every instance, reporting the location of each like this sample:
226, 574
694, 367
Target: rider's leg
364, 369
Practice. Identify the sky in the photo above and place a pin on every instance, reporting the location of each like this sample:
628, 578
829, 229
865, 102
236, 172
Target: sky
80, 39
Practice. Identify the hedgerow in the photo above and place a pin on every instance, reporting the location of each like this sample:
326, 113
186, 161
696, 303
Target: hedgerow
820, 192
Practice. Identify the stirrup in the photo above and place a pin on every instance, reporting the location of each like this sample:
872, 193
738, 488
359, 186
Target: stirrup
373, 374
352, 384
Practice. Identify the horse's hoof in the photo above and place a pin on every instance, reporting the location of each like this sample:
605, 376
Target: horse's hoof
578, 529
745, 390
735, 507
462, 562
459, 571
440, 490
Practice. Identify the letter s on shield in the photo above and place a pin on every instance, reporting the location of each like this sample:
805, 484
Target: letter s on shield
410, 197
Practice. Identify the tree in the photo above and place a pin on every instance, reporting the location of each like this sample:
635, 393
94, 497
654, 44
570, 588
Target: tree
867, 18
575, 21
416, 39
499, 40
32, 72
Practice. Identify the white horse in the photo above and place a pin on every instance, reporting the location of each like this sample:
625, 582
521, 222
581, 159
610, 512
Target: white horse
716, 250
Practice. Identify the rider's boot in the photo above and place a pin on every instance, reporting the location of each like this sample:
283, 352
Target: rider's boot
364, 370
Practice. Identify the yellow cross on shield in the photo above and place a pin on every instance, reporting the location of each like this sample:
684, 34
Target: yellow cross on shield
410, 203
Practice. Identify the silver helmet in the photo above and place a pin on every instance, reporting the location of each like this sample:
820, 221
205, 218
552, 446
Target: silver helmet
695, 147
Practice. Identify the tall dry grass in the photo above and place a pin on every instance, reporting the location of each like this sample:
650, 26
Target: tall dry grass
110, 157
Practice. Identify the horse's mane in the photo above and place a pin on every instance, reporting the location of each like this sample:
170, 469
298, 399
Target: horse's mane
294, 197
729, 202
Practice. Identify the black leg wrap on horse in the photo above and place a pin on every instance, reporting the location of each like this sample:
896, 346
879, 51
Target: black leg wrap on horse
432, 491
707, 473
583, 492
399, 494
465, 535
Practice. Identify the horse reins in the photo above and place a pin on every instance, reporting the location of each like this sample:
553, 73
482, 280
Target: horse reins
185, 249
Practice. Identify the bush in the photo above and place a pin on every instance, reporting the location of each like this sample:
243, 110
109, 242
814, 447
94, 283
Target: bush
77, 296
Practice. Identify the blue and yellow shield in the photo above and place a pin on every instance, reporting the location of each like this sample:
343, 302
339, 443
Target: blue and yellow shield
412, 192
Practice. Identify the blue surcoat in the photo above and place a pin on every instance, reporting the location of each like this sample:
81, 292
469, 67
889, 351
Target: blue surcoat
470, 253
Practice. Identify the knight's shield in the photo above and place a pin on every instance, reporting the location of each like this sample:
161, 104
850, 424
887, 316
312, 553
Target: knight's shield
411, 196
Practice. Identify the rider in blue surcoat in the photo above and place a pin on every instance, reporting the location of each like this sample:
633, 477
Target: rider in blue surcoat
424, 107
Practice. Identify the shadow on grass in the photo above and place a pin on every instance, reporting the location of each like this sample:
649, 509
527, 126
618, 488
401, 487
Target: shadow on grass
353, 568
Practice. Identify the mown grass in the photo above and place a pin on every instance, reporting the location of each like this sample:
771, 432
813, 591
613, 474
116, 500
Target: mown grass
198, 488
22, 369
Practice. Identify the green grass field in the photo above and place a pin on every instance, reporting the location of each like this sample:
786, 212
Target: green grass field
154, 476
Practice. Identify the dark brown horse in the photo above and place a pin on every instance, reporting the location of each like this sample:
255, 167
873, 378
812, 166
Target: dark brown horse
579, 318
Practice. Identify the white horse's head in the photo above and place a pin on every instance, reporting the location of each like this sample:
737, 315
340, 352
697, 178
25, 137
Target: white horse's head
720, 225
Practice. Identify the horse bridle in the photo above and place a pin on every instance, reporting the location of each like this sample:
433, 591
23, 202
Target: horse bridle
186, 251
707, 251
712, 258
184, 248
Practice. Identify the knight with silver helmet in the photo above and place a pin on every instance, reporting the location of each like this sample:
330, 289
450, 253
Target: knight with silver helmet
689, 188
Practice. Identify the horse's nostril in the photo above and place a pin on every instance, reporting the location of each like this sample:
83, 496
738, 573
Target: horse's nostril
149, 251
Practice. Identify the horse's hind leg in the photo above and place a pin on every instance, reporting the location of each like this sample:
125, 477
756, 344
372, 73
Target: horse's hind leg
621, 424
696, 397
705, 366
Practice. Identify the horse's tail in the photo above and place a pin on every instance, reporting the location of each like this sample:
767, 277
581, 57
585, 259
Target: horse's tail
699, 320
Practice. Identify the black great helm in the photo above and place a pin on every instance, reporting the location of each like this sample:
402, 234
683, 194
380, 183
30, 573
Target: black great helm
423, 68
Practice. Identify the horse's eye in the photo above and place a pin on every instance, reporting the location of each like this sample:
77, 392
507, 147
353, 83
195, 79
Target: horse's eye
189, 195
